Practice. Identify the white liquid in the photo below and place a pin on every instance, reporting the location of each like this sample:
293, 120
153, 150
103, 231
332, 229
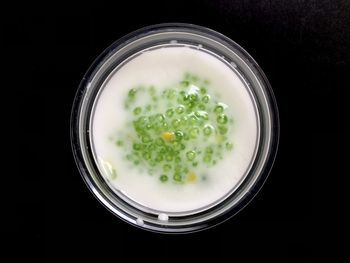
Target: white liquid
162, 67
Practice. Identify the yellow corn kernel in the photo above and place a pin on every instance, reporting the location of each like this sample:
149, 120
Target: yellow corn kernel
108, 168
220, 138
167, 136
191, 177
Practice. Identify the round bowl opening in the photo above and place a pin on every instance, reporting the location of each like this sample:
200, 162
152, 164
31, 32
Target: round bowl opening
206, 58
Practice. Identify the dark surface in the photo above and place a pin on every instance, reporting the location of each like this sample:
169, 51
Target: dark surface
299, 215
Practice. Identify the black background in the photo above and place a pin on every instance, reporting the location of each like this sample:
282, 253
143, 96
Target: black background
299, 215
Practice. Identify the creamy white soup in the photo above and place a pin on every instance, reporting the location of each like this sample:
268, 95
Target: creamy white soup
174, 129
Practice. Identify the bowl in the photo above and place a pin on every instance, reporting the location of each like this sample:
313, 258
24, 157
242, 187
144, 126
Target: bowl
164, 38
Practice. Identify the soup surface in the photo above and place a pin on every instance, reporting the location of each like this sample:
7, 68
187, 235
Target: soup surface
174, 129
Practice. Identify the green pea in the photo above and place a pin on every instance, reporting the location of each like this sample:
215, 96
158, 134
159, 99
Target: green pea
179, 135
169, 157
193, 119
148, 108
193, 97
163, 178
194, 132
209, 150
229, 146
207, 158
222, 119
219, 109
136, 146
160, 117
164, 125
185, 83
137, 110
162, 150
132, 93
180, 109
177, 168
207, 130
159, 142
203, 90
202, 114
146, 155
183, 121
152, 163
177, 177
176, 145
191, 155
191, 105
166, 167
152, 147
170, 112
222, 130
201, 106
176, 123
171, 94
206, 98
159, 158
146, 139
120, 143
